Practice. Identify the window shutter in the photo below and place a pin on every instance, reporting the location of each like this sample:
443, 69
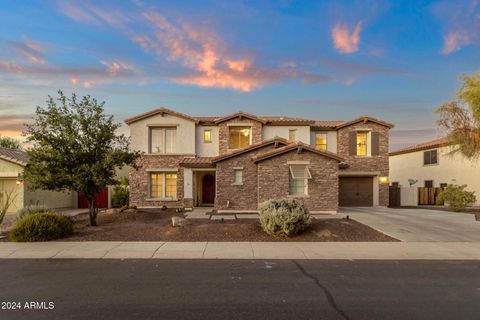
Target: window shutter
426, 158
352, 143
375, 143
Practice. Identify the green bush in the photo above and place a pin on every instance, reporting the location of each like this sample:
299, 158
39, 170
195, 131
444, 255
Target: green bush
456, 197
120, 194
41, 226
27, 210
283, 218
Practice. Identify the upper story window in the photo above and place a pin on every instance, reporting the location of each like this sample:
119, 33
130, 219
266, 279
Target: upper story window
430, 157
163, 140
291, 134
321, 141
298, 182
428, 183
238, 176
239, 137
362, 140
207, 136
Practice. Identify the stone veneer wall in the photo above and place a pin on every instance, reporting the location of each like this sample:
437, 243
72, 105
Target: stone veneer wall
139, 181
241, 197
366, 164
223, 132
274, 173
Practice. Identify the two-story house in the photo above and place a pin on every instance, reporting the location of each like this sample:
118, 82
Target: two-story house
432, 164
237, 161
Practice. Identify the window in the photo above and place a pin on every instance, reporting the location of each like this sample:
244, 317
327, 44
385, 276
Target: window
428, 183
239, 137
163, 185
207, 136
299, 175
238, 176
430, 157
443, 185
362, 143
291, 135
321, 141
163, 140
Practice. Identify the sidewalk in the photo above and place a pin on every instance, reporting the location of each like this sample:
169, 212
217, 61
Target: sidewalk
242, 250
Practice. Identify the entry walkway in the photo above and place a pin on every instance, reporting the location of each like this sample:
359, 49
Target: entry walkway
242, 250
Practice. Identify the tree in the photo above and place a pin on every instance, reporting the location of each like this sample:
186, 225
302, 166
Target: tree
10, 143
75, 147
461, 117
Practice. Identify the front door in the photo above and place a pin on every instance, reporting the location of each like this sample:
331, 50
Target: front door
208, 189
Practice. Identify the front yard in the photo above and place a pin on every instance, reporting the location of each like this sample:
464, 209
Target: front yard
150, 225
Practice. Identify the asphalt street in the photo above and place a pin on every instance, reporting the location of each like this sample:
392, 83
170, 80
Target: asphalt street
239, 289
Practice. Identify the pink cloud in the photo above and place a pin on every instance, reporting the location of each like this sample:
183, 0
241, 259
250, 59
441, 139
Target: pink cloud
32, 51
344, 40
454, 41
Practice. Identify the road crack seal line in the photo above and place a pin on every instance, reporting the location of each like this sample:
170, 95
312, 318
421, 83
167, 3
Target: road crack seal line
328, 294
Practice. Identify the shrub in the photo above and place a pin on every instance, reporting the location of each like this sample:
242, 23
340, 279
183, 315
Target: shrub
283, 218
27, 210
120, 194
456, 197
41, 226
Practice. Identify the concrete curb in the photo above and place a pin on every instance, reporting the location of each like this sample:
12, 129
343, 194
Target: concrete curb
242, 250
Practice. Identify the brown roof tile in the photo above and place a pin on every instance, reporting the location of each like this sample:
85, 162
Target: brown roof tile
12, 155
250, 148
292, 146
197, 162
440, 142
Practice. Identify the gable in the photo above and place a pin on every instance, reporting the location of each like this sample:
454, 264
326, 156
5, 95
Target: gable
298, 148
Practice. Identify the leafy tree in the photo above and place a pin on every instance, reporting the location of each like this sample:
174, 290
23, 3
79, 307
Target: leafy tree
10, 143
75, 147
461, 117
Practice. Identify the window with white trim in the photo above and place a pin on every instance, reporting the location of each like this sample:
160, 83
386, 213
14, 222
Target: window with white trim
163, 185
238, 176
207, 135
291, 134
298, 183
163, 140
321, 141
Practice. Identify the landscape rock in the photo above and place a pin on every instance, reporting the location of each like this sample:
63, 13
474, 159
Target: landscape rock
179, 222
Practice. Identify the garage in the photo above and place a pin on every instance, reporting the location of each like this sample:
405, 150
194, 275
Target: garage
9, 186
355, 191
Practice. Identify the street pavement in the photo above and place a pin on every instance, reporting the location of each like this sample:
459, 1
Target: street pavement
419, 225
241, 289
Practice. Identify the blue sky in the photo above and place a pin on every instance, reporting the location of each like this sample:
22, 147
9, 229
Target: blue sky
326, 60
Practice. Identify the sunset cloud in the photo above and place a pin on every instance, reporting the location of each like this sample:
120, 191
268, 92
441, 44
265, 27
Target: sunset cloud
29, 50
344, 40
205, 58
454, 41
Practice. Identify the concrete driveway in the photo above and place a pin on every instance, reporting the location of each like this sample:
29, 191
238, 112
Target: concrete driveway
418, 224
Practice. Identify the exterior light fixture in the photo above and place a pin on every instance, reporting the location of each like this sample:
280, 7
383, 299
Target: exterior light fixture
383, 180
19, 181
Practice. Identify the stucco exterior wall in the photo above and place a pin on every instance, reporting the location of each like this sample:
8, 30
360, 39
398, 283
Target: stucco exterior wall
50, 199
331, 140
210, 149
139, 132
451, 169
302, 133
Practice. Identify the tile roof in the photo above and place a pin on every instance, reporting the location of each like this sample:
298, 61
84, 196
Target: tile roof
197, 162
328, 123
292, 146
12, 155
275, 140
440, 142
159, 111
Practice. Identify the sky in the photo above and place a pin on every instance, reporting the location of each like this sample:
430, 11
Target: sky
324, 60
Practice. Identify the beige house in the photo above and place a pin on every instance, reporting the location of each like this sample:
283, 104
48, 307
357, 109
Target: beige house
12, 163
431, 164
236, 161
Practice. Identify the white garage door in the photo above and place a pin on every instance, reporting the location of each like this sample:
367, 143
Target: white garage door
10, 186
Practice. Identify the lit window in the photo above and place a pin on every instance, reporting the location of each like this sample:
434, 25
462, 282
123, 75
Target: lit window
163, 185
238, 176
207, 136
362, 143
239, 137
321, 141
299, 175
163, 140
291, 134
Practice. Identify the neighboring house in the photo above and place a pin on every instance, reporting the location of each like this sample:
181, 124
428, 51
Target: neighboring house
237, 161
432, 164
12, 163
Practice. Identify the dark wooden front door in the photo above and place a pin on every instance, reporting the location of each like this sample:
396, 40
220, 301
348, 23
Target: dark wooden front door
355, 191
208, 189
